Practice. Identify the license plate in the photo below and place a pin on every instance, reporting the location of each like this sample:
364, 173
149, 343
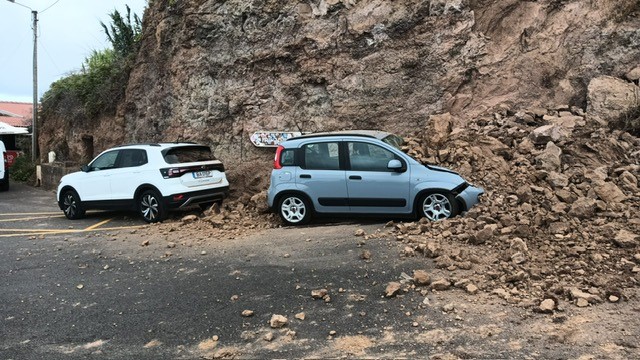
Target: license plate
202, 174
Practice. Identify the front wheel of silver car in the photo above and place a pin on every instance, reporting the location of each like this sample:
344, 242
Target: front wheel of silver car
437, 206
295, 210
151, 207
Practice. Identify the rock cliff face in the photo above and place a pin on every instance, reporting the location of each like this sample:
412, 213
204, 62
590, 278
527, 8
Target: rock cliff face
215, 71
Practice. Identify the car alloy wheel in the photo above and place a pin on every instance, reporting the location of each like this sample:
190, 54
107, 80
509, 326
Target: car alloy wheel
294, 210
71, 205
151, 207
438, 206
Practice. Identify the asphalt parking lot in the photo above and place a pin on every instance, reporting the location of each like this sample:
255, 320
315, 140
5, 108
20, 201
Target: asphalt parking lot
111, 287
28, 211
107, 286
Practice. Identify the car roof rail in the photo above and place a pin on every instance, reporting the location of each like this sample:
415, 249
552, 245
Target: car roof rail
138, 144
376, 134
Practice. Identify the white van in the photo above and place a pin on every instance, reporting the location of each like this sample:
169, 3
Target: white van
4, 169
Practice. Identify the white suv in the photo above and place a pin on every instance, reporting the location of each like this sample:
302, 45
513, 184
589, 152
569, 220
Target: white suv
148, 178
4, 168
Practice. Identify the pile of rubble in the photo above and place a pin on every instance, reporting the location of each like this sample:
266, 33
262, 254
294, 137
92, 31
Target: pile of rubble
560, 218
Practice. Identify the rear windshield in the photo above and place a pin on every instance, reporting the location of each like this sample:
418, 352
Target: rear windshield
186, 154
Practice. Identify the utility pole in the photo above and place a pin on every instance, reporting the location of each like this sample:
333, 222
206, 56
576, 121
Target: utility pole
34, 126
34, 121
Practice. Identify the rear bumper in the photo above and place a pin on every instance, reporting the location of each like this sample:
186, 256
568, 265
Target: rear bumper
470, 196
181, 200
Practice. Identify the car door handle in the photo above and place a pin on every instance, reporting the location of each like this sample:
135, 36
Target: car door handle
355, 177
305, 176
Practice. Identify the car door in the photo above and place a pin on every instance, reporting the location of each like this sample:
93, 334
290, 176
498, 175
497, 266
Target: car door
95, 184
322, 177
373, 187
127, 176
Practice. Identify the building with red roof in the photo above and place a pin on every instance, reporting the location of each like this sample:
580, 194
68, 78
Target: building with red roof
17, 114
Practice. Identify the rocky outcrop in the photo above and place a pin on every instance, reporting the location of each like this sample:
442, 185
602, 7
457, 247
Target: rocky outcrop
214, 72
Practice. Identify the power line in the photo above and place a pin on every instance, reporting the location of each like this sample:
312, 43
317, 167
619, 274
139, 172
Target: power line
49, 7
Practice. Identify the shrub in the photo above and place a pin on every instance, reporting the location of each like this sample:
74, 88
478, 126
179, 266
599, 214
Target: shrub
100, 85
23, 169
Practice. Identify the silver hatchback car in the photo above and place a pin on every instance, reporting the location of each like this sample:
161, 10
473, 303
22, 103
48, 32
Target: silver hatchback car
361, 172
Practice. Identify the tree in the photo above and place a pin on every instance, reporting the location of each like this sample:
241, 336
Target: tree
123, 33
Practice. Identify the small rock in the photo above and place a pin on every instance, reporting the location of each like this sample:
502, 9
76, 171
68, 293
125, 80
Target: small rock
518, 258
268, 336
319, 294
79, 286
189, 219
625, 239
547, 305
448, 308
300, 316
171, 245
613, 298
578, 294
441, 285
247, 313
360, 232
471, 289
582, 303
332, 332
203, 252
392, 289
144, 243
483, 235
421, 278
366, 255
278, 321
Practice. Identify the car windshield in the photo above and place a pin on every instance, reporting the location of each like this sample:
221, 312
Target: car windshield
186, 154
394, 140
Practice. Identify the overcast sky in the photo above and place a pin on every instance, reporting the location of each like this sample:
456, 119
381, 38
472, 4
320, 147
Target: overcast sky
68, 31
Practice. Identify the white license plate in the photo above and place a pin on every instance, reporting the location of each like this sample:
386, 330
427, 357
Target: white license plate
202, 174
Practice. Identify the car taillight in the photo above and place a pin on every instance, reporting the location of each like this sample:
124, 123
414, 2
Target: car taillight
175, 172
172, 172
276, 161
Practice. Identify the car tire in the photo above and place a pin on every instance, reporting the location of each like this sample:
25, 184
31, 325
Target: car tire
5, 185
71, 205
438, 205
152, 207
295, 209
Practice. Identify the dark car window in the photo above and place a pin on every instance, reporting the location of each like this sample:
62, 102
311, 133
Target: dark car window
322, 156
186, 154
369, 157
132, 157
288, 157
105, 161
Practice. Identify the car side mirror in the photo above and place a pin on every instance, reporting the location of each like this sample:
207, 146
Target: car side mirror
395, 165
85, 168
